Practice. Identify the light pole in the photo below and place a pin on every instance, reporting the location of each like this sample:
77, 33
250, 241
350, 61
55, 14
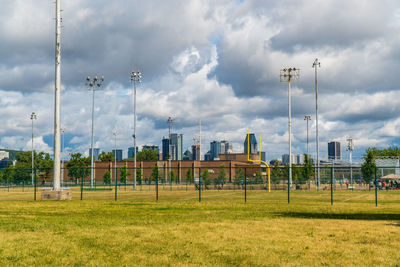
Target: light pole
288, 75
115, 155
93, 85
62, 158
136, 76
169, 121
350, 148
57, 100
307, 118
33, 117
315, 65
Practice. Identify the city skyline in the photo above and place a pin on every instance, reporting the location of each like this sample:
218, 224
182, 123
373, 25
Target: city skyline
196, 73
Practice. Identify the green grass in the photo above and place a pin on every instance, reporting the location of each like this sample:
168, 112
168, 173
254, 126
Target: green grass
222, 230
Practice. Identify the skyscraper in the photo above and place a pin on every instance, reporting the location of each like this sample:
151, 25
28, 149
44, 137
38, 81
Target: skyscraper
215, 149
196, 152
165, 148
130, 152
176, 146
334, 152
117, 152
253, 144
226, 147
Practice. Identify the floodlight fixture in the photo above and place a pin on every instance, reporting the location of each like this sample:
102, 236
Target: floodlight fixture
136, 76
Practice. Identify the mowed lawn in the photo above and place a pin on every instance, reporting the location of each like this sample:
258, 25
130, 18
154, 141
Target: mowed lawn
221, 230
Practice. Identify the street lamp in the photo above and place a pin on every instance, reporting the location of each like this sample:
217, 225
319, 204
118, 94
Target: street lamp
288, 75
115, 155
350, 148
93, 85
136, 76
62, 158
33, 117
315, 65
307, 118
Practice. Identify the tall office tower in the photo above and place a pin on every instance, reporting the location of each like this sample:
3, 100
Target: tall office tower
215, 149
253, 144
334, 152
131, 153
196, 152
226, 147
117, 152
96, 152
176, 146
165, 148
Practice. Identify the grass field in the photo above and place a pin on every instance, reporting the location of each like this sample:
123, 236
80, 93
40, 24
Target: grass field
221, 230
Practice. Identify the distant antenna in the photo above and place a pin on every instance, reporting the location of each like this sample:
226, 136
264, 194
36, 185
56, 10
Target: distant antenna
200, 138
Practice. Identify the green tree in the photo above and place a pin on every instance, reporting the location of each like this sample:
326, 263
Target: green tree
308, 171
139, 175
107, 177
172, 176
154, 174
368, 166
146, 154
123, 174
205, 178
222, 173
239, 178
106, 156
78, 166
258, 179
189, 176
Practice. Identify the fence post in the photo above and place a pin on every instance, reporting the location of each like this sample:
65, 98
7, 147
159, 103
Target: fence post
288, 186
34, 184
376, 189
199, 184
82, 171
331, 185
157, 188
116, 183
245, 185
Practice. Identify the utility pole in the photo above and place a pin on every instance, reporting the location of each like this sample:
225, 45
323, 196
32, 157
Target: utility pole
57, 100
288, 75
315, 65
307, 118
136, 76
350, 148
169, 121
200, 139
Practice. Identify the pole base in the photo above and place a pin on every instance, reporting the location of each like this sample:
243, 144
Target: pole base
57, 195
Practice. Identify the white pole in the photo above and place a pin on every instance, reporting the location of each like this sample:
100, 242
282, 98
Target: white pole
317, 64
92, 142
57, 102
200, 140
62, 158
115, 156
134, 133
290, 134
33, 116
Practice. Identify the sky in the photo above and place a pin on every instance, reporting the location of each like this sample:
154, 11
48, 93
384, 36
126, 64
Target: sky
214, 61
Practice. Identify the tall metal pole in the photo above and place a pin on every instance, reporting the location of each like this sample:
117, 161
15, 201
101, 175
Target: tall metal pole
315, 65
307, 118
350, 148
169, 121
135, 76
288, 75
57, 100
290, 133
62, 159
33, 117
92, 84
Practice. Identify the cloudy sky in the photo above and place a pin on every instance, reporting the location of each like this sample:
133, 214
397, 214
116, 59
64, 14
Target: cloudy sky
217, 61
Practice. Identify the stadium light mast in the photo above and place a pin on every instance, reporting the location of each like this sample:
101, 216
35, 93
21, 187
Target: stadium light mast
115, 155
57, 100
93, 85
307, 118
288, 75
136, 76
350, 148
315, 65
33, 117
